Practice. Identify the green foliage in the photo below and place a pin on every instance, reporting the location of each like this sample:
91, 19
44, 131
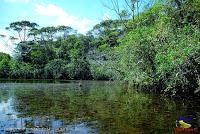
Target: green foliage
174, 59
22, 28
54, 69
156, 54
183, 44
184, 12
78, 68
38, 55
4, 65
21, 70
157, 49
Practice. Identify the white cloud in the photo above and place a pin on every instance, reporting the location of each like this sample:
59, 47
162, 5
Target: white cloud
6, 45
61, 17
14, 1
105, 16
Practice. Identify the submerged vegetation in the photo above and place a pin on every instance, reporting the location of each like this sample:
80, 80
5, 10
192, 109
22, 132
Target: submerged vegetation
156, 49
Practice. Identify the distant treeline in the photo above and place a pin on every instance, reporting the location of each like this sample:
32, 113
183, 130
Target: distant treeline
157, 49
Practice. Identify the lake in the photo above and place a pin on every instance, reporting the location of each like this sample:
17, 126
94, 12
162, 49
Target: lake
95, 107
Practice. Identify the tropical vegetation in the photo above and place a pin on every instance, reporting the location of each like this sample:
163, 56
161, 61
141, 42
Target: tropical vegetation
156, 48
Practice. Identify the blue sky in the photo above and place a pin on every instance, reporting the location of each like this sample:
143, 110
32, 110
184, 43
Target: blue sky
49, 12
82, 15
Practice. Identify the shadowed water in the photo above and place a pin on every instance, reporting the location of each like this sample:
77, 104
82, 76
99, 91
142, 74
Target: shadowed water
94, 107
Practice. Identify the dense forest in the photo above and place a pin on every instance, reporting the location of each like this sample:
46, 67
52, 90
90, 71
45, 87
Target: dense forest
156, 49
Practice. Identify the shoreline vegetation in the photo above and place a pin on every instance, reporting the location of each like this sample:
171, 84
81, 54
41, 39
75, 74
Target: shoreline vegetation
156, 50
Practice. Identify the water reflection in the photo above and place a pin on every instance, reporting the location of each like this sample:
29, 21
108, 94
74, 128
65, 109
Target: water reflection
95, 107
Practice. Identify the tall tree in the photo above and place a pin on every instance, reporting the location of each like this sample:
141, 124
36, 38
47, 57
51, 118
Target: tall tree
64, 31
22, 28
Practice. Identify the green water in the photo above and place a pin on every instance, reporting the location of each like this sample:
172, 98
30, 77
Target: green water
95, 107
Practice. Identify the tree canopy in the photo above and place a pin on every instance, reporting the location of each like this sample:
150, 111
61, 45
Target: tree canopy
157, 48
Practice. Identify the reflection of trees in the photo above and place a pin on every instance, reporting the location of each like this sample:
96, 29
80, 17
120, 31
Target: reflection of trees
32, 102
112, 108
4, 95
131, 112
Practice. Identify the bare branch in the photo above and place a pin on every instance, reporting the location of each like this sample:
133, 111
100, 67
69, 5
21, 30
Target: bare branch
116, 8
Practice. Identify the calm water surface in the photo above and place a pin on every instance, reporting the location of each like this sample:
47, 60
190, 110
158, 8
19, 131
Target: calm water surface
96, 107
